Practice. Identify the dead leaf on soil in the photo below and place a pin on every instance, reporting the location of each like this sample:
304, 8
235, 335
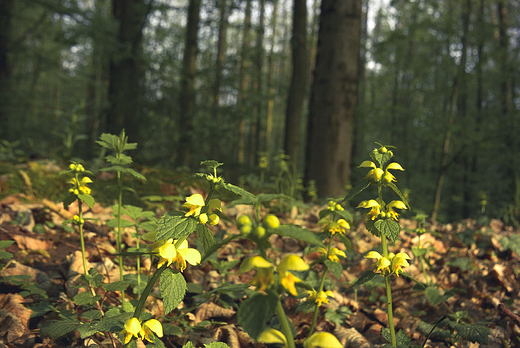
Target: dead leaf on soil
14, 317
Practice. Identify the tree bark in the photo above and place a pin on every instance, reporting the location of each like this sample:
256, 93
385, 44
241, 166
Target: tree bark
334, 96
270, 85
298, 88
187, 92
5, 67
126, 73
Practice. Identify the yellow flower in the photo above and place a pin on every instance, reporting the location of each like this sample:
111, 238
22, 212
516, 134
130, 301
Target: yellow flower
272, 336
399, 261
81, 186
374, 208
382, 263
194, 203
214, 204
322, 340
375, 174
264, 271
166, 252
151, 327
287, 279
320, 297
185, 254
132, 328
203, 218
334, 252
214, 219
390, 208
389, 177
340, 226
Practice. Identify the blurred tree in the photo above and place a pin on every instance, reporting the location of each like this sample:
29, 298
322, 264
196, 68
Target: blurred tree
5, 67
334, 96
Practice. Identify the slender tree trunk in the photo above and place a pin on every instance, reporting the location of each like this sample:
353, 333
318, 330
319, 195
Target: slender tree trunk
221, 51
126, 73
270, 84
296, 98
187, 92
243, 83
334, 96
459, 77
5, 68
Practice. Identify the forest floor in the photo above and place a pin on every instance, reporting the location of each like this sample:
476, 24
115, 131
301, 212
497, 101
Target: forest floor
474, 268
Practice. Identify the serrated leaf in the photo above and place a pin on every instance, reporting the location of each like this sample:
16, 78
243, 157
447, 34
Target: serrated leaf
85, 298
433, 295
5, 255
135, 174
113, 323
88, 199
334, 267
120, 285
68, 200
298, 233
188, 345
474, 332
216, 345
211, 163
255, 311
174, 225
6, 243
58, 328
236, 190
345, 214
92, 315
512, 243
464, 263
206, 237
388, 228
401, 338
418, 252
172, 286
86, 330
365, 277
171, 330
412, 278
346, 241
355, 191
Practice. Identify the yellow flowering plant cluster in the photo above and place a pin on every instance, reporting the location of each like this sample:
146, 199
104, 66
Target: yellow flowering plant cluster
382, 221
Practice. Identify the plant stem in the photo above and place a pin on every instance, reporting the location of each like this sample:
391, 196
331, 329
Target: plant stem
389, 307
284, 323
119, 203
147, 290
138, 261
82, 240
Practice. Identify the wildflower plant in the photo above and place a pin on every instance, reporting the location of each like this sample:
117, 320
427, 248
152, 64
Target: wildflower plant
382, 221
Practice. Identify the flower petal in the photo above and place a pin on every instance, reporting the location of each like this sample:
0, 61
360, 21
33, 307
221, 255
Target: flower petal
293, 263
394, 165
272, 336
373, 255
323, 340
367, 164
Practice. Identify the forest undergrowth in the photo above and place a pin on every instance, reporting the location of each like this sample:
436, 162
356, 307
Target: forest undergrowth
260, 268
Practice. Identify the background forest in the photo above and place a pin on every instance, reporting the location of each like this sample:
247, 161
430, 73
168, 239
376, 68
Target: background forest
242, 81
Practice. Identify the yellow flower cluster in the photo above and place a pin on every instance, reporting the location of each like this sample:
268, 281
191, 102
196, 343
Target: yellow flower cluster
319, 297
377, 212
333, 254
168, 254
392, 264
264, 277
340, 226
80, 186
378, 175
133, 328
195, 203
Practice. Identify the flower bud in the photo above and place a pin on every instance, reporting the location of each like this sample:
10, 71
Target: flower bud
243, 220
271, 221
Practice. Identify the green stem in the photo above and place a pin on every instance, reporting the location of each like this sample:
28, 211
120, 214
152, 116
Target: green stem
284, 323
138, 262
147, 290
389, 307
119, 203
82, 240
322, 283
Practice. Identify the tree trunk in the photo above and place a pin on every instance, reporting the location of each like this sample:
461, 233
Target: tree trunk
221, 50
334, 96
126, 73
187, 92
459, 77
296, 98
243, 84
5, 68
270, 87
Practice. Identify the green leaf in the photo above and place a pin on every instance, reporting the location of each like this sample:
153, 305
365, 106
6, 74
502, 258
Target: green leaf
86, 298
171, 330
124, 223
88, 199
412, 278
236, 190
218, 245
86, 330
396, 190
92, 315
5, 255
433, 295
135, 174
474, 332
298, 233
418, 252
120, 285
68, 200
335, 268
512, 243
188, 345
113, 323
172, 286
255, 311
365, 277
388, 228
58, 328
345, 240
216, 345
464, 263
6, 243
206, 237
345, 214
211, 163
355, 191
93, 277
337, 316
174, 225
401, 338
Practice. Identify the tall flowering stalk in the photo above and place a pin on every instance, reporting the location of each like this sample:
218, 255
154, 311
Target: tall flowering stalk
382, 221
